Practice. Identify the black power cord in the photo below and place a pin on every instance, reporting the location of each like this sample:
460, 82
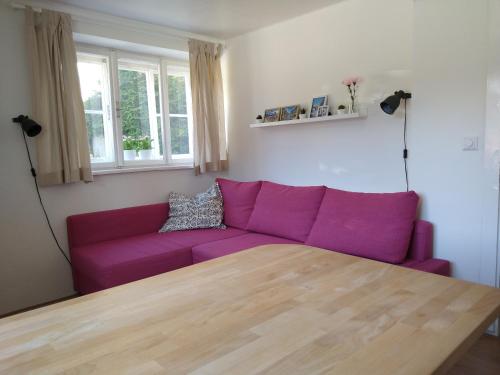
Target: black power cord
405, 152
33, 173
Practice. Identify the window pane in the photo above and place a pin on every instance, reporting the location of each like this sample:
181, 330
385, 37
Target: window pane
95, 95
157, 94
160, 133
179, 135
92, 84
134, 103
95, 130
177, 94
139, 94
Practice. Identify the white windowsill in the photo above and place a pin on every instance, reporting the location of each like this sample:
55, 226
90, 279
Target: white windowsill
99, 172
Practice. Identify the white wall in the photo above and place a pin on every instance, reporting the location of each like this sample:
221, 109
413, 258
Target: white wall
450, 73
436, 48
291, 62
31, 269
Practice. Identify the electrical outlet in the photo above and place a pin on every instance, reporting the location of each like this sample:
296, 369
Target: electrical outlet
470, 144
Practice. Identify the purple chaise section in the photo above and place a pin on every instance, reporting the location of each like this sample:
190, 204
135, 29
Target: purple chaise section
119, 261
114, 247
93, 227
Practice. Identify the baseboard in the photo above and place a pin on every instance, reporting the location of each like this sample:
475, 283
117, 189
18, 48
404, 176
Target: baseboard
39, 305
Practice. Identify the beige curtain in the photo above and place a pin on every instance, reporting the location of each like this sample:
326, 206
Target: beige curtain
62, 146
210, 152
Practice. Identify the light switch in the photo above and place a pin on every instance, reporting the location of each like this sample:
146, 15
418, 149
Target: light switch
470, 144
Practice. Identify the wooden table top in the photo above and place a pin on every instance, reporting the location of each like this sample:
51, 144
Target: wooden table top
278, 309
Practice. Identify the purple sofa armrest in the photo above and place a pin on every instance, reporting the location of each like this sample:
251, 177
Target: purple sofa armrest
93, 227
422, 241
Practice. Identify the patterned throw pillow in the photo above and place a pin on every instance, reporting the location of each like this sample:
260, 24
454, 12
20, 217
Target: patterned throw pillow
204, 210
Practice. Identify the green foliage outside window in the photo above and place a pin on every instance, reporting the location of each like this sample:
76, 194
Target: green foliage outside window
134, 103
135, 113
179, 134
177, 95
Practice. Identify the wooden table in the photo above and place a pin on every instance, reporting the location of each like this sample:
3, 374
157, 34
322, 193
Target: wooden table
280, 309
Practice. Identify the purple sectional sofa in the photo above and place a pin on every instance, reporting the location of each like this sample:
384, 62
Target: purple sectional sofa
110, 248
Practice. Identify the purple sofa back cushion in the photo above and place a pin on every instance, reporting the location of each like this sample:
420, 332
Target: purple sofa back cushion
94, 227
286, 211
239, 201
375, 226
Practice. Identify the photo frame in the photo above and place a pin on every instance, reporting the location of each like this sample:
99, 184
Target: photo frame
272, 114
323, 110
290, 112
317, 102
314, 112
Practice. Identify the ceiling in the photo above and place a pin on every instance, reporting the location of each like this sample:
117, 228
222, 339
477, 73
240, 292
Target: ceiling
222, 19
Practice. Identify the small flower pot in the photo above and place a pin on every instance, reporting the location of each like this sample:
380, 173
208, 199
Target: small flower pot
302, 116
259, 121
145, 154
129, 154
341, 111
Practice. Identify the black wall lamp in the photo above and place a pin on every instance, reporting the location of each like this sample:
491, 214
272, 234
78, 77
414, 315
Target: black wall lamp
389, 106
31, 128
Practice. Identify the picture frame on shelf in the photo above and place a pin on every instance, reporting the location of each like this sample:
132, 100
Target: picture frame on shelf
314, 112
272, 114
323, 111
290, 112
317, 102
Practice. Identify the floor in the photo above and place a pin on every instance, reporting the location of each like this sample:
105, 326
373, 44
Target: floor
482, 359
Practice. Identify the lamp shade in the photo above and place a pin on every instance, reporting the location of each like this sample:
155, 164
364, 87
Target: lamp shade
29, 126
391, 104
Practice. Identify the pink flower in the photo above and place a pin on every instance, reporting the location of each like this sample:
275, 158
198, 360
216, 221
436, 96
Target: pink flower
352, 80
347, 81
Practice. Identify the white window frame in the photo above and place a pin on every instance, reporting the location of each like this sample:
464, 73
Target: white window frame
157, 65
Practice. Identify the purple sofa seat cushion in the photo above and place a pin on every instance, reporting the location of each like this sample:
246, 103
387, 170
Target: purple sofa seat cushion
239, 201
217, 249
120, 261
190, 238
375, 226
437, 266
286, 211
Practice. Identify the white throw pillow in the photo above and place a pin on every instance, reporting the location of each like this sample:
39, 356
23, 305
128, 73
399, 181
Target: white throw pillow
204, 210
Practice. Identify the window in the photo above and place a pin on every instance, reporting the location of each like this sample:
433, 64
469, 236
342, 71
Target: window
137, 108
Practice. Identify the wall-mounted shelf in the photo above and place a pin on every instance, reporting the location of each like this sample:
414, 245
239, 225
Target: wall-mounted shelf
347, 116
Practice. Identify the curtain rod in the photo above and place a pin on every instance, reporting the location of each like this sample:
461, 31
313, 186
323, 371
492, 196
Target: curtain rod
23, 6
84, 15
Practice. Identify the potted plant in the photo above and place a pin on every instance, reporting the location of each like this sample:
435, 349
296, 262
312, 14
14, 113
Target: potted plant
129, 148
341, 110
259, 119
302, 114
145, 148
